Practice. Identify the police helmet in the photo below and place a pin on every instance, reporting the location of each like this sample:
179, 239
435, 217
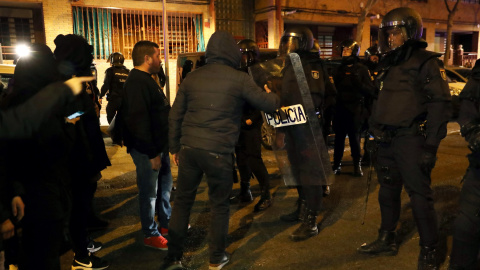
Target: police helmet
250, 52
373, 50
117, 59
296, 39
353, 45
398, 26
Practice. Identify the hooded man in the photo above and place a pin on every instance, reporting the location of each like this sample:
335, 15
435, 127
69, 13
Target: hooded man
204, 125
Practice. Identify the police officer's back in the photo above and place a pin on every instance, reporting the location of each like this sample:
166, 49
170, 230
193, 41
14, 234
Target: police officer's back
115, 77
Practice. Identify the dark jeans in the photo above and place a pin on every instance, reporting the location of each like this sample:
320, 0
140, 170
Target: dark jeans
466, 235
193, 163
398, 166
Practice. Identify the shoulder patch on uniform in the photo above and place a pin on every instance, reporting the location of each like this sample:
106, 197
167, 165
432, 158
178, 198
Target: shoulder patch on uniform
443, 73
315, 74
331, 79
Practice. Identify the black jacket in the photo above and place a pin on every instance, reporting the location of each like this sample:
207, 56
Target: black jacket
412, 89
207, 110
145, 114
23, 121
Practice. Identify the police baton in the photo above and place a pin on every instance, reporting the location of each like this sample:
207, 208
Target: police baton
371, 148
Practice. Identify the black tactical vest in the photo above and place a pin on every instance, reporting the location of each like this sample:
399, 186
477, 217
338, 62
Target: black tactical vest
401, 98
120, 74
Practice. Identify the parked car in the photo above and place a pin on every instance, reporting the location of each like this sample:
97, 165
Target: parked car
456, 83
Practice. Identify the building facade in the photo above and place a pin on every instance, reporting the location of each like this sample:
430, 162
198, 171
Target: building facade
115, 25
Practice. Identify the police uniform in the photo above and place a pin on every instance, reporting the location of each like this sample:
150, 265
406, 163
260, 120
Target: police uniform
115, 77
409, 120
354, 85
466, 236
299, 151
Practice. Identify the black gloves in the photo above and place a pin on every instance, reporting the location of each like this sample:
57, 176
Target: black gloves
428, 158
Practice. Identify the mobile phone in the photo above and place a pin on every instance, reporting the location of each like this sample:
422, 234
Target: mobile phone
75, 115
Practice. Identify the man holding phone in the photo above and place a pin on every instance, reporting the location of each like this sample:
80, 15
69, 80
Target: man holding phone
145, 115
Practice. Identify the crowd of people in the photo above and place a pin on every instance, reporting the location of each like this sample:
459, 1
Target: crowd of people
398, 96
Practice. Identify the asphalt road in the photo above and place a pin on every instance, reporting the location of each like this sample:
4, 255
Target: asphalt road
260, 240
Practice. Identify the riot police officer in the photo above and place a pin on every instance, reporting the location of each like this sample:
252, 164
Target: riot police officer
372, 57
306, 169
465, 245
115, 77
249, 147
409, 119
354, 84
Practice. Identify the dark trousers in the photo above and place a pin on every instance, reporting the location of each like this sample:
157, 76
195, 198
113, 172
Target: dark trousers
249, 158
304, 161
399, 165
41, 242
82, 195
312, 195
193, 163
112, 107
346, 123
466, 235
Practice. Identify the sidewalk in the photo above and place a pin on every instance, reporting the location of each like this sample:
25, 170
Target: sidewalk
260, 240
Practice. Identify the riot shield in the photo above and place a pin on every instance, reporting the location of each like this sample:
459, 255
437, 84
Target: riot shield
299, 146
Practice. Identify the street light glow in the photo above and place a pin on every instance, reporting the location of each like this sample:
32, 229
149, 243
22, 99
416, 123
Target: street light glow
22, 50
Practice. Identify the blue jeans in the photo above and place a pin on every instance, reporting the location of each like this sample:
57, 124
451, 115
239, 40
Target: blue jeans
164, 210
147, 182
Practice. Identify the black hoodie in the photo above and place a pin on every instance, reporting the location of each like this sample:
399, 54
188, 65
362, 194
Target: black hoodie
208, 107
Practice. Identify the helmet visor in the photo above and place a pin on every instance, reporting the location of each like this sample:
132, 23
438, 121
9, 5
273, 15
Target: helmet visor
288, 45
391, 38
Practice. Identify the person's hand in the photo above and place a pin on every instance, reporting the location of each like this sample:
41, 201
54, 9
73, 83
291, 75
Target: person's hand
7, 230
100, 101
18, 207
75, 83
249, 122
72, 121
266, 88
156, 163
175, 158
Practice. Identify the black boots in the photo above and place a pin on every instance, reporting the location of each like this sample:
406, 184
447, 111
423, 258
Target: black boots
296, 215
427, 260
357, 168
384, 245
265, 200
337, 168
308, 228
245, 193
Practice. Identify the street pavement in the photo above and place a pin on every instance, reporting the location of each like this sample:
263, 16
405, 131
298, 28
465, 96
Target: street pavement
261, 240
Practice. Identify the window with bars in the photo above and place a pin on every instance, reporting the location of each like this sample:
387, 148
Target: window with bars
326, 45
117, 30
23, 30
4, 32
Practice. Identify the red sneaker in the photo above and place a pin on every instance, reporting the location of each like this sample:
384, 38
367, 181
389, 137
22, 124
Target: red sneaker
164, 231
156, 242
